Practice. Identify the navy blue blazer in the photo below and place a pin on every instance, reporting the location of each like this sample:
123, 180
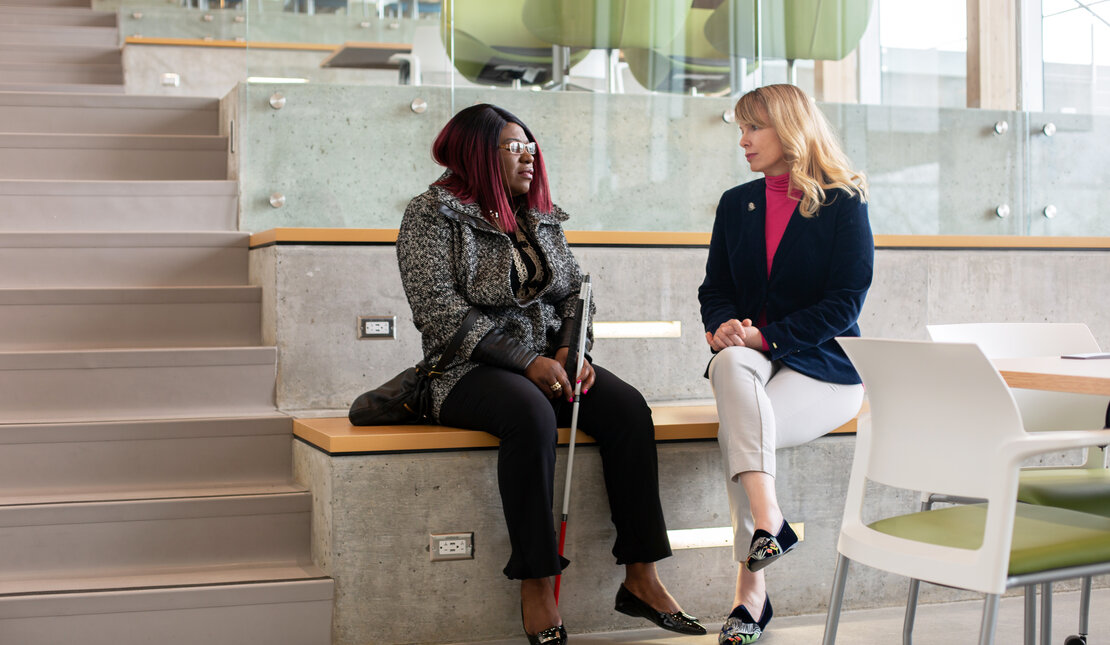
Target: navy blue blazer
819, 279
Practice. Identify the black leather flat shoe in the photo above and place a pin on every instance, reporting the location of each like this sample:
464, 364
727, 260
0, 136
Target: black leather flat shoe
549, 636
680, 621
767, 548
741, 629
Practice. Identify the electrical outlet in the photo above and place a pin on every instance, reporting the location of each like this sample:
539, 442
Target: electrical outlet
377, 327
451, 546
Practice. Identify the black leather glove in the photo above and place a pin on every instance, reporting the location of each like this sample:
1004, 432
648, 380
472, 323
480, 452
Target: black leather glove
501, 350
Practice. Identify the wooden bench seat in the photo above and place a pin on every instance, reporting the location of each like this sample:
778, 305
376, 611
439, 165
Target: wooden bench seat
336, 435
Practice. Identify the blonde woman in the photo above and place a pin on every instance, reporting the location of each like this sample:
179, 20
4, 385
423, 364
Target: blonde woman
790, 263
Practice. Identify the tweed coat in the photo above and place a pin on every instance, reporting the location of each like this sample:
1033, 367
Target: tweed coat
451, 258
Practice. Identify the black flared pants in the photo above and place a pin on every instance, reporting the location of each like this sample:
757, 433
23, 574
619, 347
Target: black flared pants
510, 407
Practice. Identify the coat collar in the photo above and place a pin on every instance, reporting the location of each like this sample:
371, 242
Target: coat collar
451, 207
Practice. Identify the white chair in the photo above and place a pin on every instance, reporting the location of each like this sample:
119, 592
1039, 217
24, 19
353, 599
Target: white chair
943, 420
1083, 488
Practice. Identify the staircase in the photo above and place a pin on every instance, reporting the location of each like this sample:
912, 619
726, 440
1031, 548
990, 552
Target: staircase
145, 474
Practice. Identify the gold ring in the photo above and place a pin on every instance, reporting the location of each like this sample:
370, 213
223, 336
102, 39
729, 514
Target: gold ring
556, 387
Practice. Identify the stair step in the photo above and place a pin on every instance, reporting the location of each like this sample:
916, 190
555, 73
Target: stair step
69, 54
272, 605
106, 259
43, 205
117, 384
59, 36
112, 156
87, 4
70, 16
68, 88
101, 318
55, 113
63, 73
48, 545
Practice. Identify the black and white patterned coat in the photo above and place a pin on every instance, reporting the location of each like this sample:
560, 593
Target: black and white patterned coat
451, 258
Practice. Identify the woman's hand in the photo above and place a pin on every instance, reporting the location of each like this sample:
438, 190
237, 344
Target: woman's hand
735, 333
586, 375
545, 373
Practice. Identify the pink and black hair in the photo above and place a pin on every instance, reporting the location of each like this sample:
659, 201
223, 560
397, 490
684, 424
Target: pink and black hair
467, 146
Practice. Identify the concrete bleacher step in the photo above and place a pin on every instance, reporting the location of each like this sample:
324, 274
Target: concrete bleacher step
49, 205
101, 318
53, 547
271, 605
66, 88
124, 259
47, 15
127, 384
56, 113
86, 4
69, 54
62, 73
112, 156
58, 36
44, 462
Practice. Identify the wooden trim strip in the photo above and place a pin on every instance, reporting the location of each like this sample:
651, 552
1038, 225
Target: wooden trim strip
232, 44
991, 242
687, 238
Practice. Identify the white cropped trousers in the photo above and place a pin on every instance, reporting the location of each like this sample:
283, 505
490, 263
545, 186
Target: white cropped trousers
764, 405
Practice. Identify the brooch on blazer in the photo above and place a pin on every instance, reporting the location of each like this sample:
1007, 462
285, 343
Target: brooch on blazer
751, 206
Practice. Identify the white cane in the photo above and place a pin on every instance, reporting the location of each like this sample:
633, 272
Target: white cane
580, 352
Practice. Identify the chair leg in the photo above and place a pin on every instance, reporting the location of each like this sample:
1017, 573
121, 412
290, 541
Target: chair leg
911, 612
1046, 613
1030, 615
1084, 606
832, 621
990, 619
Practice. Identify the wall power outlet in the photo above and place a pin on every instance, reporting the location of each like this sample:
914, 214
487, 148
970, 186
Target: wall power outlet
377, 327
451, 546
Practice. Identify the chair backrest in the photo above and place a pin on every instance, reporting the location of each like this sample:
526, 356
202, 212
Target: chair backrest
493, 47
941, 420
940, 411
686, 61
797, 29
606, 24
1039, 410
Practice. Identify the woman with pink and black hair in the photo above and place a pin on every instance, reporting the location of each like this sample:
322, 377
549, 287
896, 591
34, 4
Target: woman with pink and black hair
486, 235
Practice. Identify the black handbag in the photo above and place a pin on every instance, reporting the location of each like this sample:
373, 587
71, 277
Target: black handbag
407, 398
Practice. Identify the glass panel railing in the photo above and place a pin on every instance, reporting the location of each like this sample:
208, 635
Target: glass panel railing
630, 107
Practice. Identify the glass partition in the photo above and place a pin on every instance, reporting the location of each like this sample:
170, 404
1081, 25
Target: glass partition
335, 103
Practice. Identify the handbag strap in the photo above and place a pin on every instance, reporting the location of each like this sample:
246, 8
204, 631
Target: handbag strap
456, 342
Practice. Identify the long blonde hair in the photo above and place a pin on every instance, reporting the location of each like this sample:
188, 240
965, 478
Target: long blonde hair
817, 164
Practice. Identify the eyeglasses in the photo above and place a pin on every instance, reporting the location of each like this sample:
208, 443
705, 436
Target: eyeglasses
518, 147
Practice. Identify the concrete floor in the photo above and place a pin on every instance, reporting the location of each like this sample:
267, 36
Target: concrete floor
947, 624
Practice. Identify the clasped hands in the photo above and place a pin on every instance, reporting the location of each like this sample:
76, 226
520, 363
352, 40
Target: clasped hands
735, 333
545, 372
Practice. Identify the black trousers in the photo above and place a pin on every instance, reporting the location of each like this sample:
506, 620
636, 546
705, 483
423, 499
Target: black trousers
510, 407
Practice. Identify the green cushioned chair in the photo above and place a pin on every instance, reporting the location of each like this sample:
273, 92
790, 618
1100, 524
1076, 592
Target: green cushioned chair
606, 24
491, 45
687, 62
790, 29
942, 420
1083, 488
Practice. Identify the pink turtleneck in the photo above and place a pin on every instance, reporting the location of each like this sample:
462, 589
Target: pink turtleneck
780, 206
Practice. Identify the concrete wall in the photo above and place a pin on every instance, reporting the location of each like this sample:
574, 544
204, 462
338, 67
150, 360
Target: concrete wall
313, 294
373, 513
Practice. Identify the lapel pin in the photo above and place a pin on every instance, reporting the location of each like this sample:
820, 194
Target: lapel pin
751, 206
